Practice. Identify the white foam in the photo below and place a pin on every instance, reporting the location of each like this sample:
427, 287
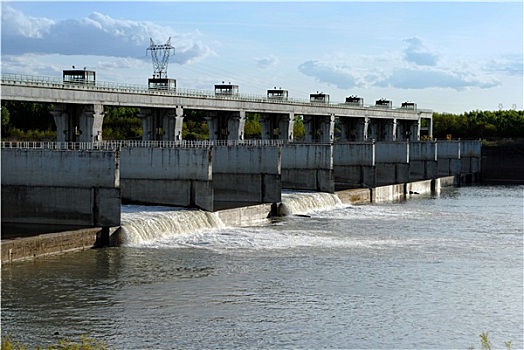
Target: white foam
145, 227
294, 203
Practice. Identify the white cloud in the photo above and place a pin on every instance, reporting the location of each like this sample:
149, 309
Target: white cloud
266, 62
325, 72
417, 53
96, 34
407, 78
414, 67
508, 64
17, 24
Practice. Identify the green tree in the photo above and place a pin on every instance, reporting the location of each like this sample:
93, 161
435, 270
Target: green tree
252, 129
195, 126
121, 123
5, 121
299, 131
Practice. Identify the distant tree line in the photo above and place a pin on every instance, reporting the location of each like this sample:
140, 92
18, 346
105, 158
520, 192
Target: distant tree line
33, 121
479, 124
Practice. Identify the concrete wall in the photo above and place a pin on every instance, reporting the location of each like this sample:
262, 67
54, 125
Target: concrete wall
422, 160
167, 176
448, 158
308, 167
48, 244
470, 155
245, 175
354, 165
57, 187
392, 163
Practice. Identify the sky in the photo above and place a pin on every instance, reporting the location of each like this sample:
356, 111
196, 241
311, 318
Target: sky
450, 57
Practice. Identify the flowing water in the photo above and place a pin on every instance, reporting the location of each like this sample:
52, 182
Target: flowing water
432, 272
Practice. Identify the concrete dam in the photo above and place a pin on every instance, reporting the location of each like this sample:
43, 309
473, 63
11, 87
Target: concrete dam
81, 180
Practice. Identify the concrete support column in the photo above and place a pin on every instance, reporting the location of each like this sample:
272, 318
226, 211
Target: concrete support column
390, 130
362, 129
172, 124
265, 125
414, 131
319, 129
373, 132
309, 136
90, 123
401, 131
146, 117
78, 123
235, 125
62, 122
430, 128
284, 123
213, 125
345, 130
327, 129
285, 127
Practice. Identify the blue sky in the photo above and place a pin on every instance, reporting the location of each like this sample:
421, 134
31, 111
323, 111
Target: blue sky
445, 56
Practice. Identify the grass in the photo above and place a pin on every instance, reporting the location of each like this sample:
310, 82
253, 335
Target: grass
63, 344
485, 343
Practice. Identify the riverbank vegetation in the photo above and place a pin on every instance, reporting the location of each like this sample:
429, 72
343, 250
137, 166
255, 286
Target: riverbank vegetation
479, 124
26, 121
85, 343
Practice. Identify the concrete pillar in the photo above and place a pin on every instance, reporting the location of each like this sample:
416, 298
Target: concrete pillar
62, 122
401, 131
373, 129
309, 136
362, 129
235, 125
172, 124
285, 126
145, 116
213, 125
266, 125
414, 132
90, 123
78, 123
328, 129
319, 128
430, 128
390, 130
283, 122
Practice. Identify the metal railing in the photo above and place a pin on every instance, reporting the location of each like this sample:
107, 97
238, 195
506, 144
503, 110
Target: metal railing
117, 145
54, 82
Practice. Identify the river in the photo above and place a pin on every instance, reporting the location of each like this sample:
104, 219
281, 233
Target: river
431, 272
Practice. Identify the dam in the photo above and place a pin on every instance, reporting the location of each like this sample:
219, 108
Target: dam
379, 153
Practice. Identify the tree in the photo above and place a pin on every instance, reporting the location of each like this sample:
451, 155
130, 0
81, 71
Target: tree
299, 130
121, 123
252, 128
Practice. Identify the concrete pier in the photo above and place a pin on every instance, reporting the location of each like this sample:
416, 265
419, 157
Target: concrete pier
354, 165
392, 163
308, 167
448, 158
244, 175
422, 160
60, 187
167, 176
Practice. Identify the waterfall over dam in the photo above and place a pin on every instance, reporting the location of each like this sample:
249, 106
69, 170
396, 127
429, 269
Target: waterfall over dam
145, 225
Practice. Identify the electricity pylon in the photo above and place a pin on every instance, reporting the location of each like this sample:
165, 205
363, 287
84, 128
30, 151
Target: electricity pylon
160, 56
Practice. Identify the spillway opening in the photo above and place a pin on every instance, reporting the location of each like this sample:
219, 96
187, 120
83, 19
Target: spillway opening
299, 203
141, 225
